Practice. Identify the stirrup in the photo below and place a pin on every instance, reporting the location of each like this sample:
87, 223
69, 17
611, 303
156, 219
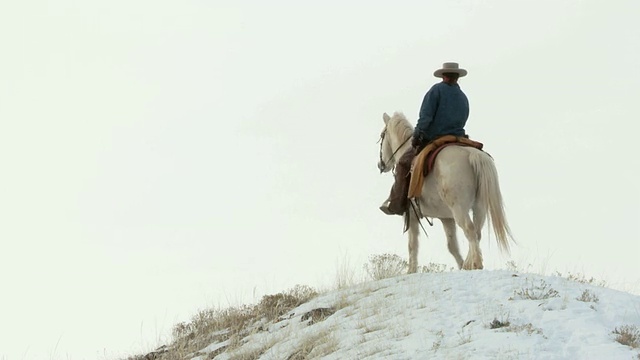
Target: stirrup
385, 208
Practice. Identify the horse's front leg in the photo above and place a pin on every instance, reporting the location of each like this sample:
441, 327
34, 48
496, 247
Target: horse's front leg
413, 241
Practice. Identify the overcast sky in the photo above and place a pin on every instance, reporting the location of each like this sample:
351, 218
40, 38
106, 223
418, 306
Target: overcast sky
161, 157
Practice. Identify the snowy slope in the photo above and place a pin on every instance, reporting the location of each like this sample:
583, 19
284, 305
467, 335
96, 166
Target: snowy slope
450, 316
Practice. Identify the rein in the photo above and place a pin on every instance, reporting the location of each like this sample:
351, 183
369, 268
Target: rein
395, 152
415, 211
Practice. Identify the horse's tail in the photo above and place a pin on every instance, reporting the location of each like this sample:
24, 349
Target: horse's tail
490, 195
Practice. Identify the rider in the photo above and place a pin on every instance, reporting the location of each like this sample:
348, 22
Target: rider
444, 111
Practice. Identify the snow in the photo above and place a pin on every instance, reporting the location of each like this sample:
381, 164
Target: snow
448, 316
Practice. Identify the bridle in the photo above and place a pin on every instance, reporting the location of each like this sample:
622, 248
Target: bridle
382, 162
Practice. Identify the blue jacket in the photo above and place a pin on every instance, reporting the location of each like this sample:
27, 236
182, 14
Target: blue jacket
444, 111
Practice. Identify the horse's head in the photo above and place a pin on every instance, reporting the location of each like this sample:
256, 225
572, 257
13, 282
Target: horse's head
387, 160
394, 139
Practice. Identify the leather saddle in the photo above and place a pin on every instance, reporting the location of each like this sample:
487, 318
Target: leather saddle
422, 163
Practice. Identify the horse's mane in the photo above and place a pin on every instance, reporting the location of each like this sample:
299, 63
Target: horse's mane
400, 126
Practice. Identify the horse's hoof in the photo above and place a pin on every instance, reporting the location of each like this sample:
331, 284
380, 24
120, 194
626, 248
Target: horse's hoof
471, 266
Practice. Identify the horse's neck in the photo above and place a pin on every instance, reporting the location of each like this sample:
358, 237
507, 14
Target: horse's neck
400, 146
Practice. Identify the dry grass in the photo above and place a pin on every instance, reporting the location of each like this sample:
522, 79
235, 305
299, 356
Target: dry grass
497, 324
463, 337
342, 302
533, 291
389, 265
315, 345
274, 306
577, 277
370, 326
435, 268
438, 343
528, 328
401, 330
581, 278
385, 266
345, 275
628, 335
368, 351
588, 296
514, 267
252, 353
231, 325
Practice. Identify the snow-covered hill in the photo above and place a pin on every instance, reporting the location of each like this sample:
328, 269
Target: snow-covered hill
450, 315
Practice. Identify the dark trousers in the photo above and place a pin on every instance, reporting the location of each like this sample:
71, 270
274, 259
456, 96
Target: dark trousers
398, 200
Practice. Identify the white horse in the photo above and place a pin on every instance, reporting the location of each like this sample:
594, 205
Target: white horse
463, 179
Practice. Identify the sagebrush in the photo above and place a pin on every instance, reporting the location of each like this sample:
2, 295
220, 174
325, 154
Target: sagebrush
435, 268
497, 324
628, 335
540, 291
588, 296
385, 266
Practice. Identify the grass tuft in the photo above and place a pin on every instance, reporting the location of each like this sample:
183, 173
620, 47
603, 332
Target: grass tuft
315, 345
273, 307
435, 268
581, 278
628, 335
588, 296
438, 343
385, 266
539, 291
528, 328
497, 324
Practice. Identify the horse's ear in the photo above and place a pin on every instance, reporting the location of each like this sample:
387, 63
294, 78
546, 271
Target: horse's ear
386, 118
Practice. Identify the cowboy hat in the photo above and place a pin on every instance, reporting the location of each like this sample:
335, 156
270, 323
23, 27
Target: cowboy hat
450, 67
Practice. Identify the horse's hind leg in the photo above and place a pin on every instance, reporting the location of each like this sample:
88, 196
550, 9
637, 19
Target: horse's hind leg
474, 257
479, 217
449, 226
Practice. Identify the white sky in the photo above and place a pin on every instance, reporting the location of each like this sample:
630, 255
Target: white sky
161, 157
